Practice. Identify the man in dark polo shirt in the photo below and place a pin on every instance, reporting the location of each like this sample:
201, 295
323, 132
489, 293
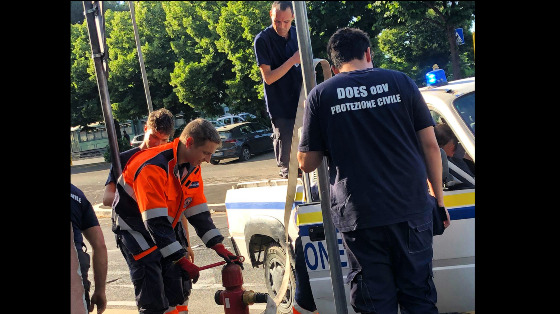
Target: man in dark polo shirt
276, 50
377, 133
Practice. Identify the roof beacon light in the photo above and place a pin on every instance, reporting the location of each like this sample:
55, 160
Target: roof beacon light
436, 77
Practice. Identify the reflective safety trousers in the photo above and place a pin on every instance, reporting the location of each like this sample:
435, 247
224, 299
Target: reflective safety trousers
153, 192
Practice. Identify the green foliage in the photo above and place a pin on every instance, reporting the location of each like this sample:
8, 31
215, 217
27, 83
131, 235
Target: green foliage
124, 145
199, 55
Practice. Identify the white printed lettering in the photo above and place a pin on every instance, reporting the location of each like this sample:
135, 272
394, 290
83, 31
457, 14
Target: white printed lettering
363, 91
340, 92
349, 92
356, 91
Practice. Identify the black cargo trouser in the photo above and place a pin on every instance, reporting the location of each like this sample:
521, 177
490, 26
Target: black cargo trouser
392, 265
158, 283
282, 141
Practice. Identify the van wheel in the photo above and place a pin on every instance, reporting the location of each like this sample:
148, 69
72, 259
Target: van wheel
245, 153
214, 161
274, 265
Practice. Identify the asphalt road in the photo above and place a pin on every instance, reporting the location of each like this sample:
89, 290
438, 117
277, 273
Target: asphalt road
90, 178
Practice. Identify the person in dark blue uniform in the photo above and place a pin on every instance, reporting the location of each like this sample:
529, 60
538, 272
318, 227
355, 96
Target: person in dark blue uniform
85, 224
377, 133
276, 50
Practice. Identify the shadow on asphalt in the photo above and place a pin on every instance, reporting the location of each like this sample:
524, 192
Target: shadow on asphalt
89, 168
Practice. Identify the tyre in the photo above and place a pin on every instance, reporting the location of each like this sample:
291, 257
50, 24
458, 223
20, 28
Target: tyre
245, 153
214, 161
274, 266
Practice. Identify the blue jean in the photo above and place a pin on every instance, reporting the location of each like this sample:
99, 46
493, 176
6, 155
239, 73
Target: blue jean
392, 265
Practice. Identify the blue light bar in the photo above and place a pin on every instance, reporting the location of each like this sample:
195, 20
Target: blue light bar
436, 78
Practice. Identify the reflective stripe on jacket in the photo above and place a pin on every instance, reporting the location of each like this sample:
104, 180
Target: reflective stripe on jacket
152, 193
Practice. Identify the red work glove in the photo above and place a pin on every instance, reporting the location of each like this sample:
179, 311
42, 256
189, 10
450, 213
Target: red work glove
189, 267
227, 255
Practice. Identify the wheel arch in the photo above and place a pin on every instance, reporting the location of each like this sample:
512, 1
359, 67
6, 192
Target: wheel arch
260, 232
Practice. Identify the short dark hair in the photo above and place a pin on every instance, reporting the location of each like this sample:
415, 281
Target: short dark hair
444, 134
347, 44
200, 130
161, 121
282, 5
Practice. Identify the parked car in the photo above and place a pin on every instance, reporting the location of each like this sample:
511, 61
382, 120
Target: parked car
217, 124
247, 116
226, 120
241, 140
137, 140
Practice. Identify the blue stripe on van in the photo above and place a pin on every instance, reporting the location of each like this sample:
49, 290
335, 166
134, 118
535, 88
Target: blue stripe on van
461, 212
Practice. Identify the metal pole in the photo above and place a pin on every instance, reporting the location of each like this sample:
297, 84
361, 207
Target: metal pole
96, 23
140, 58
308, 71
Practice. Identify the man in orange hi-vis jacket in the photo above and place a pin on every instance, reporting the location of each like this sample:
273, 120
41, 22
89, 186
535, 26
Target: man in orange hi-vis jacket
156, 187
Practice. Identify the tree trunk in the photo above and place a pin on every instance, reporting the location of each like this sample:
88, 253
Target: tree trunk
455, 65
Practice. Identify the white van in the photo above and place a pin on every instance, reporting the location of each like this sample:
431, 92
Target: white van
226, 120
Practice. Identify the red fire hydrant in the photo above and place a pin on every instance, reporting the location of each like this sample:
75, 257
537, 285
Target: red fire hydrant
235, 298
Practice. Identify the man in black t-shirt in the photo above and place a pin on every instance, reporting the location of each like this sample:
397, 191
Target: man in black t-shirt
85, 224
377, 133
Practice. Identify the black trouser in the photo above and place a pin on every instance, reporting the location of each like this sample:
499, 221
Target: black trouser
392, 265
85, 263
304, 294
282, 141
158, 283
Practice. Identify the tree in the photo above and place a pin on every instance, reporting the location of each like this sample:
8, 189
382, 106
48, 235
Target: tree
159, 57
77, 9
84, 96
426, 25
239, 23
126, 88
201, 70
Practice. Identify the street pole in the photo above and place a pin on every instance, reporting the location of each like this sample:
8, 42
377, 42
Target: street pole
308, 71
140, 58
96, 30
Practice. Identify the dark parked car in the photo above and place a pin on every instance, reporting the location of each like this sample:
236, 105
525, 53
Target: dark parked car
241, 140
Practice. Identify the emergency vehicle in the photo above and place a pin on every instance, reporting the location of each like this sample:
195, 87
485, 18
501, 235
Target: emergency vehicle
255, 212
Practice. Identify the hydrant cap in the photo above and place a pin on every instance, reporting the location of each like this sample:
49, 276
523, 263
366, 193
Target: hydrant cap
231, 275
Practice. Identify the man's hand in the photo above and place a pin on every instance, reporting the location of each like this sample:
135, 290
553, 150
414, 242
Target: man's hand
190, 254
190, 268
227, 255
100, 299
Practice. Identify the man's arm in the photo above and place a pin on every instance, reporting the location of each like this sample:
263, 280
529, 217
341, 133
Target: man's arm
109, 194
270, 76
432, 158
94, 236
309, 161
190, 253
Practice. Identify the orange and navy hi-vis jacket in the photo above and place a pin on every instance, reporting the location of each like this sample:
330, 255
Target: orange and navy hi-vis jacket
152, 193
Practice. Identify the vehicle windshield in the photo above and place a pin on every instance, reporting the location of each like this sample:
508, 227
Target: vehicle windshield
225, 135
465, 107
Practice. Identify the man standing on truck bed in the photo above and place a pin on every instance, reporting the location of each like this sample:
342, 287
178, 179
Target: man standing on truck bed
377, 133
276, 49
